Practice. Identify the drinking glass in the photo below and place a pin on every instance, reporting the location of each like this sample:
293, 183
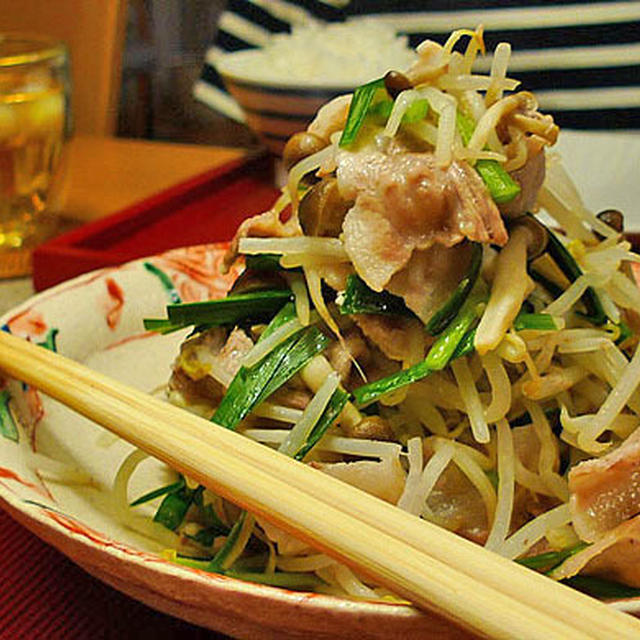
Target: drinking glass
34, 124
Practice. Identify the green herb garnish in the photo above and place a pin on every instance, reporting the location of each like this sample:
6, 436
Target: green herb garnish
360, 104
252, 385
359, 298
329, 415
502, 187
447, 312
455, 341
535, 321
174, 507
599, 588
156, 493
568, 266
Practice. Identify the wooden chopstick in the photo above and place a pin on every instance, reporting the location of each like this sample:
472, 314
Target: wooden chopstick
432, 567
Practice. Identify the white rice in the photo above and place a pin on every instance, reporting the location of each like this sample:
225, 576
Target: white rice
332, 55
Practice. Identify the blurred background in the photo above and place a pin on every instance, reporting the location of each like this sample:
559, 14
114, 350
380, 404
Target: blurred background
134, 63
163, 52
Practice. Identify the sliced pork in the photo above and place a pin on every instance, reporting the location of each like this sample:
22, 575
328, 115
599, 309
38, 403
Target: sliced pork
399, 338
606, 491
456, 505
404, 202
429, 277
614, 556
342, 354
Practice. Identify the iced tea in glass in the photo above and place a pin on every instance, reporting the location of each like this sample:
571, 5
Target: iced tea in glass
34, 123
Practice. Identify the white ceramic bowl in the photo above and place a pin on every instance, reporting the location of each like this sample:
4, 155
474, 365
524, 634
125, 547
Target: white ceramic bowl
281, 84
275, 112
97, 319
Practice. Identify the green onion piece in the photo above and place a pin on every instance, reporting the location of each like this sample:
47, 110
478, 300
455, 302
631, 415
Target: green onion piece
329, 415
465, 125
360, 103
381, 110
535, 321
570, 268
247, 387
193, 563
161, 325
253, 563
447, 312
492, 476
8, 427
455, 341
254, 307
217, 562
550, 559
466, 345
416, 111
370, 392
156, 493
306, 344
206, 537
250, 386
286, 580
209, 518
287, 313
502, 187
599, 588
332, 410
311, 342
263, 262
174, 507
213, 526
445, 346
359, 298
625, 332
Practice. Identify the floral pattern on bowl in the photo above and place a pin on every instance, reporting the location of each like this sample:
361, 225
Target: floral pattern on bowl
97, 319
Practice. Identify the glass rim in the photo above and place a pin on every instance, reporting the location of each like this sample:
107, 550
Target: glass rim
43, 48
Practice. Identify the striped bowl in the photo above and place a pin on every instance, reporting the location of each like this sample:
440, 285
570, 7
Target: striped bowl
275, 112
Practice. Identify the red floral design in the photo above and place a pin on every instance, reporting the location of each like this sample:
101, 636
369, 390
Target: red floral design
116, 303
197, 271
76, 527
27, 324
9, 474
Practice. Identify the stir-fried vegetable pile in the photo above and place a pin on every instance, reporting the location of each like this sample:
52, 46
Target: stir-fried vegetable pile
409, 322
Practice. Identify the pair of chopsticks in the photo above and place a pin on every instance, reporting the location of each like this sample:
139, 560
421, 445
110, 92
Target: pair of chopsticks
431, 567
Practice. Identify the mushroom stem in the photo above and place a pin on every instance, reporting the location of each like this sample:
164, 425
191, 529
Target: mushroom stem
538, 235
509, 290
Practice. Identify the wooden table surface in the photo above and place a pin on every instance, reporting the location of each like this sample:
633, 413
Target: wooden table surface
104, 175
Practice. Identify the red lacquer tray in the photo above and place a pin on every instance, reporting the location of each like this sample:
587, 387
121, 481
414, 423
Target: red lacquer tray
207, 208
